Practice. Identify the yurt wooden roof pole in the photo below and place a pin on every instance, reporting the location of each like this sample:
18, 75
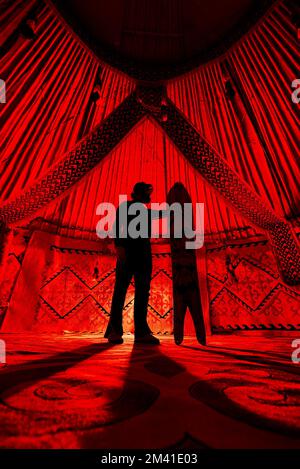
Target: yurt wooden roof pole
151, 100
220, 175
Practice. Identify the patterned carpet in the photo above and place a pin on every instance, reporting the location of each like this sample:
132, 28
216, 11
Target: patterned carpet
79, 392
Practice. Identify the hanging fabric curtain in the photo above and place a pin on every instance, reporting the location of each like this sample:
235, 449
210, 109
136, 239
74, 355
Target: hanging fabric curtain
256, 128
50, 80
58, 91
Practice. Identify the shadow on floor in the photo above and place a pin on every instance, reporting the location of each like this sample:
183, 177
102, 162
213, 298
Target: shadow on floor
15, 378
141, 392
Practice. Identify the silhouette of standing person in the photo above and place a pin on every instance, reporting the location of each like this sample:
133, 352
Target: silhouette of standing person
133, 260
186, 293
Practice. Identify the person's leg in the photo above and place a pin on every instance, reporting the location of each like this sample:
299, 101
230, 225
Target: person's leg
142, 279
180, 307
123, 277
195, 307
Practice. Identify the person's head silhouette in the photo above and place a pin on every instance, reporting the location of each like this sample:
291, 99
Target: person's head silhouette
142, 192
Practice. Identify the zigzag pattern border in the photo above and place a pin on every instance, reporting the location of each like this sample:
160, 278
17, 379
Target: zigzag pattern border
80, 303
255, 327
262, 304
78, 276
251, 262
64, 268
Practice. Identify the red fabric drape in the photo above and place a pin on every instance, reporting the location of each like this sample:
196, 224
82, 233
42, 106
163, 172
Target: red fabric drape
11, 15
258, 130
49, 84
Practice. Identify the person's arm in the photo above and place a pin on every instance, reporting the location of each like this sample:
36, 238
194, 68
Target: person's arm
158, 214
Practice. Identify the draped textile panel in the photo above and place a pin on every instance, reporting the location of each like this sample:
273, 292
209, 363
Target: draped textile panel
258, 130
252, 297
58, 91
63, 294
50, 81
